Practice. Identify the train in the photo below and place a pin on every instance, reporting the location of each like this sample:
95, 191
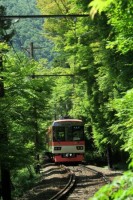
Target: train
66, 141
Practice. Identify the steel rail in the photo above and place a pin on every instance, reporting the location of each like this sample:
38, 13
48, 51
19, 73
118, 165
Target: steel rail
67, 188
106, 179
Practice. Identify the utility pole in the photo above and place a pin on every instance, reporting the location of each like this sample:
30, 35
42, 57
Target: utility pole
35, 124
31, 50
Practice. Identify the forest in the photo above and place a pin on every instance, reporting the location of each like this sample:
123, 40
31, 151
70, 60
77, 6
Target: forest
95, 53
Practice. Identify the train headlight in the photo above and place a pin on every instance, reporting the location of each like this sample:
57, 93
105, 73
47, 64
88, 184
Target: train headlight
68, 155
79, 147
57, 148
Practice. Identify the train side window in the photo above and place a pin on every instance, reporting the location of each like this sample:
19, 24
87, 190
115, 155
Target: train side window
54, 134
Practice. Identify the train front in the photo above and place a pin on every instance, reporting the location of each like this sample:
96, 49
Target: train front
68, 143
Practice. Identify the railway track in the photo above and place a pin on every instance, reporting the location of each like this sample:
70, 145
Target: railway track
84, 182
68, 183
62, 193
88, 181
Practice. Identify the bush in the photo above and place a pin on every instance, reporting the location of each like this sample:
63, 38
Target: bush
96, 158
23, 180
121, 189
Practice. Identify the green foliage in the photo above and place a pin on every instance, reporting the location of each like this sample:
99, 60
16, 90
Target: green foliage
23, 181
3, 47
113, 82
120, 18
60, 102
100, 6
80, 104
120, 188
124, 126
119, 14
23, 96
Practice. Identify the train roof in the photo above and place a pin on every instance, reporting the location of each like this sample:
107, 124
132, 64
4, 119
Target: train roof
67, 121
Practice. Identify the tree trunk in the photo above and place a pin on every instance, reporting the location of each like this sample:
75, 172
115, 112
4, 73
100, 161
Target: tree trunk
109, 156
5, 183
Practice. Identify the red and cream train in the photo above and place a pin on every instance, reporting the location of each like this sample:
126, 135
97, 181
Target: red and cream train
66, 140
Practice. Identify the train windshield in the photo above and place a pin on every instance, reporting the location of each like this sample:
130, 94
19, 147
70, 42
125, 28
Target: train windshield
68, 133
58, 133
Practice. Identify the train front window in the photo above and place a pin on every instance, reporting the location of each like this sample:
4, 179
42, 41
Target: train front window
59, 133
78, 133
68, 133
75, 133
